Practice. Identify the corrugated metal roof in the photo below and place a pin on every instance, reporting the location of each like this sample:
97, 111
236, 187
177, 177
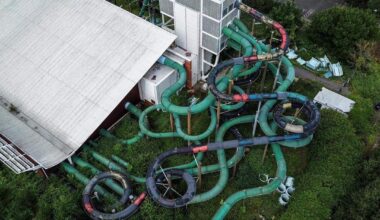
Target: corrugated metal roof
31, 142
67, 65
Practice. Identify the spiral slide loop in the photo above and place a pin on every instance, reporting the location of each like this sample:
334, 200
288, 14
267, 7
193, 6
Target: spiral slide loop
90, 190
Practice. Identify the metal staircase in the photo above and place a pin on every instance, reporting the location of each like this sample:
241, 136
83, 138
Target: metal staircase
11, 156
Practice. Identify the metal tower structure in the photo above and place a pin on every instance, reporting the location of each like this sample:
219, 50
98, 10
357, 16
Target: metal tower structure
198, 25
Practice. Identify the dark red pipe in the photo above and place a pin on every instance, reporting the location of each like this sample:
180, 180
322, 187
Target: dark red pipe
140, 199
251, 58
241, 98
284, 35
200, 149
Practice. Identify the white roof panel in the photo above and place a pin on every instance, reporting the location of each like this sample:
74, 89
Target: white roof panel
330, 99
68, 64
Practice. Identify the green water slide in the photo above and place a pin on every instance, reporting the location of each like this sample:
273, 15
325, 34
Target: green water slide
240, 39
268, 130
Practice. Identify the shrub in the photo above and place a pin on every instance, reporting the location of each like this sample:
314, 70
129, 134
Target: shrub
362, 115
333, 159
59, 202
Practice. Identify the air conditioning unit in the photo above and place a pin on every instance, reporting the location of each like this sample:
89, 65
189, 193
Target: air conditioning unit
154, 83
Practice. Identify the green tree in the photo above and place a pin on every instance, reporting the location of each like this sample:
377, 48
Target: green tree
340, 28
289, 15
363, 202
363, 56
367, 85
358, 3
374, 5
362, 115
264, 6
371, 4
19, 194
28, 196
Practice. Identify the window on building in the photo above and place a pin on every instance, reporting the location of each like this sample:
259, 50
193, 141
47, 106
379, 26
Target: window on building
168, 22
222, 45
225, 11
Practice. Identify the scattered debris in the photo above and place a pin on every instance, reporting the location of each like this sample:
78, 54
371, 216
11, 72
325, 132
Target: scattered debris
301, 61
313, 63
336, 69
328, 75
292, 55
325, 61
322, 64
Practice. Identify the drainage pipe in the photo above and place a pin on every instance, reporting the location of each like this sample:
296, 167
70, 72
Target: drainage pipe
82, 178
108, 182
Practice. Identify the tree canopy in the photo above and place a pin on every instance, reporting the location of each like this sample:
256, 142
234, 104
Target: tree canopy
371, 4
289, 15
363, 202
340, 28
261, 5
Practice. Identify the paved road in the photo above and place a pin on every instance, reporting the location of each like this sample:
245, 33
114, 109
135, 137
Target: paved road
334, 86
309, 7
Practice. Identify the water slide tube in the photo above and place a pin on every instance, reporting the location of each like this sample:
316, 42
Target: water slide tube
88, 192
240, 152
142, 117
180, 110
92, 186
136, 112
178, 86
210, 99
266, 20
197, 108
300, 131
204, 104
239, 35
143, 8
263, 122
284, 85
119, 166
289, 100
221, 187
